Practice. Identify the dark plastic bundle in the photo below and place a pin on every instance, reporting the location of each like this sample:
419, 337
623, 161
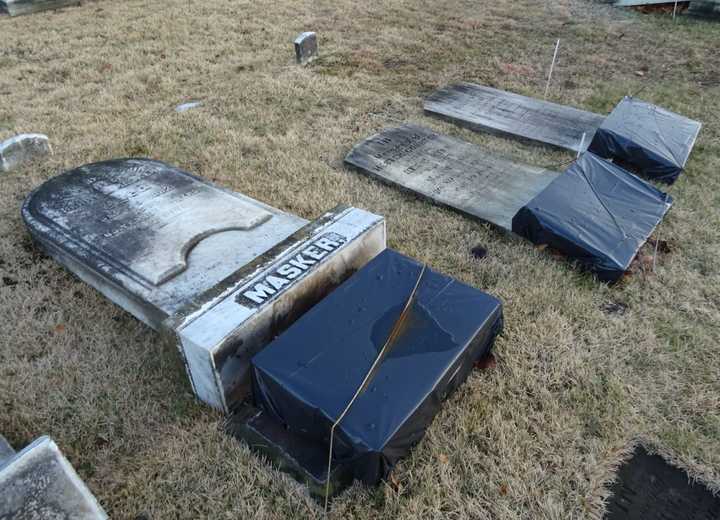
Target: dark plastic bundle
307, 376
650, 140
596, 213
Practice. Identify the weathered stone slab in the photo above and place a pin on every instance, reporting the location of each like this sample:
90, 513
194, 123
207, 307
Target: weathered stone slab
648, 487
6, 451
705, 8
450, 172
39, 483
306, 48
174, 250
18, 7
487, 109
188, 106
595, 212
22, 149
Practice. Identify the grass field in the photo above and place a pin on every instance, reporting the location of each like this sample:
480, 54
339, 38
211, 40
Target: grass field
539, 435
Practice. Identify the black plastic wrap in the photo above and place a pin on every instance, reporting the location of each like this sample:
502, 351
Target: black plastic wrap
596, 213
650, 140
306, 377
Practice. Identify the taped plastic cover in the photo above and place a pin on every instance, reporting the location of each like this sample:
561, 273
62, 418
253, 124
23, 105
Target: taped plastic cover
596, 213
306, 377
647, 139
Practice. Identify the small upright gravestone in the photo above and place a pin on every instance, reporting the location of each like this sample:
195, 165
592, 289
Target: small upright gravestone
220, 274
22, 149
306, 48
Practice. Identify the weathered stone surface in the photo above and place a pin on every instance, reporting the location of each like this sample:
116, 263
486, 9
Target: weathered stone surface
18, 7
306, 47
705, 8
450, 172
23, 149
170, 247
39, 484
188, 106
497, 111
6, 451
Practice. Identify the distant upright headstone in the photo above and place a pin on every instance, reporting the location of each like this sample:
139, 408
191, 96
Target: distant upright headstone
218, 272
39, 483
306, 47
22, 149
18, 7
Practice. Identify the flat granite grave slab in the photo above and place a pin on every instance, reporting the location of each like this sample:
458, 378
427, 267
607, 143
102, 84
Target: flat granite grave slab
491, 110
650, 140
38, 483
18, 7
217, 272
647, 487
304, 379
595, 212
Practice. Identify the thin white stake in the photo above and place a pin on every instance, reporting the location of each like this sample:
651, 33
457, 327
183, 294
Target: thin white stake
675, 10
552, 66
657, 243
381, 355
582, 143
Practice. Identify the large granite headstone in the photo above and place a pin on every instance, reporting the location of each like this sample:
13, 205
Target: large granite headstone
38, 483
595, 212
18, 7
220, 274
487, 109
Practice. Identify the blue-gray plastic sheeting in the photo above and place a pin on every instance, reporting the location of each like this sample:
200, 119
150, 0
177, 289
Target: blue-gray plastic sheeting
596, 213
648, 139
307, 376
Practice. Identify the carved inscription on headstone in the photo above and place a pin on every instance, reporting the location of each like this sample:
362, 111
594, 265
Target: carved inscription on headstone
487, 109
450, 172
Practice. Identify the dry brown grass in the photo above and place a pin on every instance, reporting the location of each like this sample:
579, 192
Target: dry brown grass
534, 438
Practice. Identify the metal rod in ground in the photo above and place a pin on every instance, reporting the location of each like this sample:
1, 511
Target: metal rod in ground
368, 377
582, 143
552, 66
675, 9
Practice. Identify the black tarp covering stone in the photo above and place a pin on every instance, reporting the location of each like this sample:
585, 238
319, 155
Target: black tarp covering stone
646, 138
596, 213
306, 377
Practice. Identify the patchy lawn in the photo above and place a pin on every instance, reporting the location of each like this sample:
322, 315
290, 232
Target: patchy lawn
583, 369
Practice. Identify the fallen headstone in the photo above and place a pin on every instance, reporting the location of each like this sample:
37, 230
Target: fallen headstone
39, 483
647, 139
394, 308
22, 149
705, 8
595, 212
306, 48
218, 273
187, 106
650, 140
18, 7
648, 487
